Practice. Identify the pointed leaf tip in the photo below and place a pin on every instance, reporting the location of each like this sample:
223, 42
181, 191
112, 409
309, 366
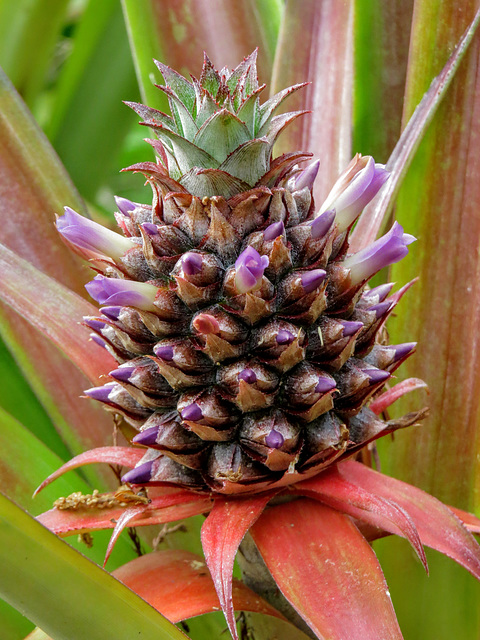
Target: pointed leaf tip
222, 532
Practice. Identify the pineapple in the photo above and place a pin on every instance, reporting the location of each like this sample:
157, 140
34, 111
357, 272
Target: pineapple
248, 341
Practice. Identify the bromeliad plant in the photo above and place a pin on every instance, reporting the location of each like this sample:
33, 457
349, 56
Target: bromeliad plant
247, 354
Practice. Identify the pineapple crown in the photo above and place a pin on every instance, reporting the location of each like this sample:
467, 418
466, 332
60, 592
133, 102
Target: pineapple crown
217, 123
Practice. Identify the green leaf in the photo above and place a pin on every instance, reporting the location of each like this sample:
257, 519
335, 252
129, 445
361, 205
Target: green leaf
89, 122
221, 134
65, 594
28, 37
34, 185
439, 203
25, 463
382, 35
374, 216
52, 309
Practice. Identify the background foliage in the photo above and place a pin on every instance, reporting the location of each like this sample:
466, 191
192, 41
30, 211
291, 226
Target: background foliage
74, 61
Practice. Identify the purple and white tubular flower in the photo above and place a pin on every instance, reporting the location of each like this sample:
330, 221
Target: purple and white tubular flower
354, 189
249, 268
93, 239
124, 206
306, 178
385, 251
125, 293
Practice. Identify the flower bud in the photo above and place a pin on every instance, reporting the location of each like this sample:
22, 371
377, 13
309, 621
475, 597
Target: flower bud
93, 240
116, 291
387, 250
249, 269
354, 189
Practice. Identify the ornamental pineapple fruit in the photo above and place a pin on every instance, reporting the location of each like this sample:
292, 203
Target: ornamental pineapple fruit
248, 342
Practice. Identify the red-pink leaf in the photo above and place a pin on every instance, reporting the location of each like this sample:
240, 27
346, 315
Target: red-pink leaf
178, 584
387, 398
327, 571
125, 456
375, 215
437, 525
222, 532
54, 310
331, 488
471, 522
127, 516
315, 44
163, 508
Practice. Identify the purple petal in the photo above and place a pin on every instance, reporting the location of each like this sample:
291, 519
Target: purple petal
112, 313
192, 412
354, 190
147, 437
403, 350
274, 440
100, 393
324, 385
248, 375
191, 263
306, 178
139, 475
350, 327
165, 352
312, 279
380, 309
385, 251
377, 375
124, 206
249, 268
122, 374
150, 228
92, 237
381, 292
96, 325
274, 231
284, 337
322, 224
116, 291
98, 340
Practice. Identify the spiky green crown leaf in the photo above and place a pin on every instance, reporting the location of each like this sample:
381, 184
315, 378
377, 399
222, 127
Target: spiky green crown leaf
219, 139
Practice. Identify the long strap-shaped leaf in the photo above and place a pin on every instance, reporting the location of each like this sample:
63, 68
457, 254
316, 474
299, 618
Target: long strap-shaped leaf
54, 310
178, 583
316, 44
64, 593
222, 533
327, 571
332, 489
437, 525
167, 507
125, 456
375, 215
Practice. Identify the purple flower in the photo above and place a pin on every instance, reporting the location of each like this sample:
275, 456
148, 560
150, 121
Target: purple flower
274, 231
354, 189
94, 239
306, 178
249, 268
322, 224
124, 206
114, 291
385, 251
